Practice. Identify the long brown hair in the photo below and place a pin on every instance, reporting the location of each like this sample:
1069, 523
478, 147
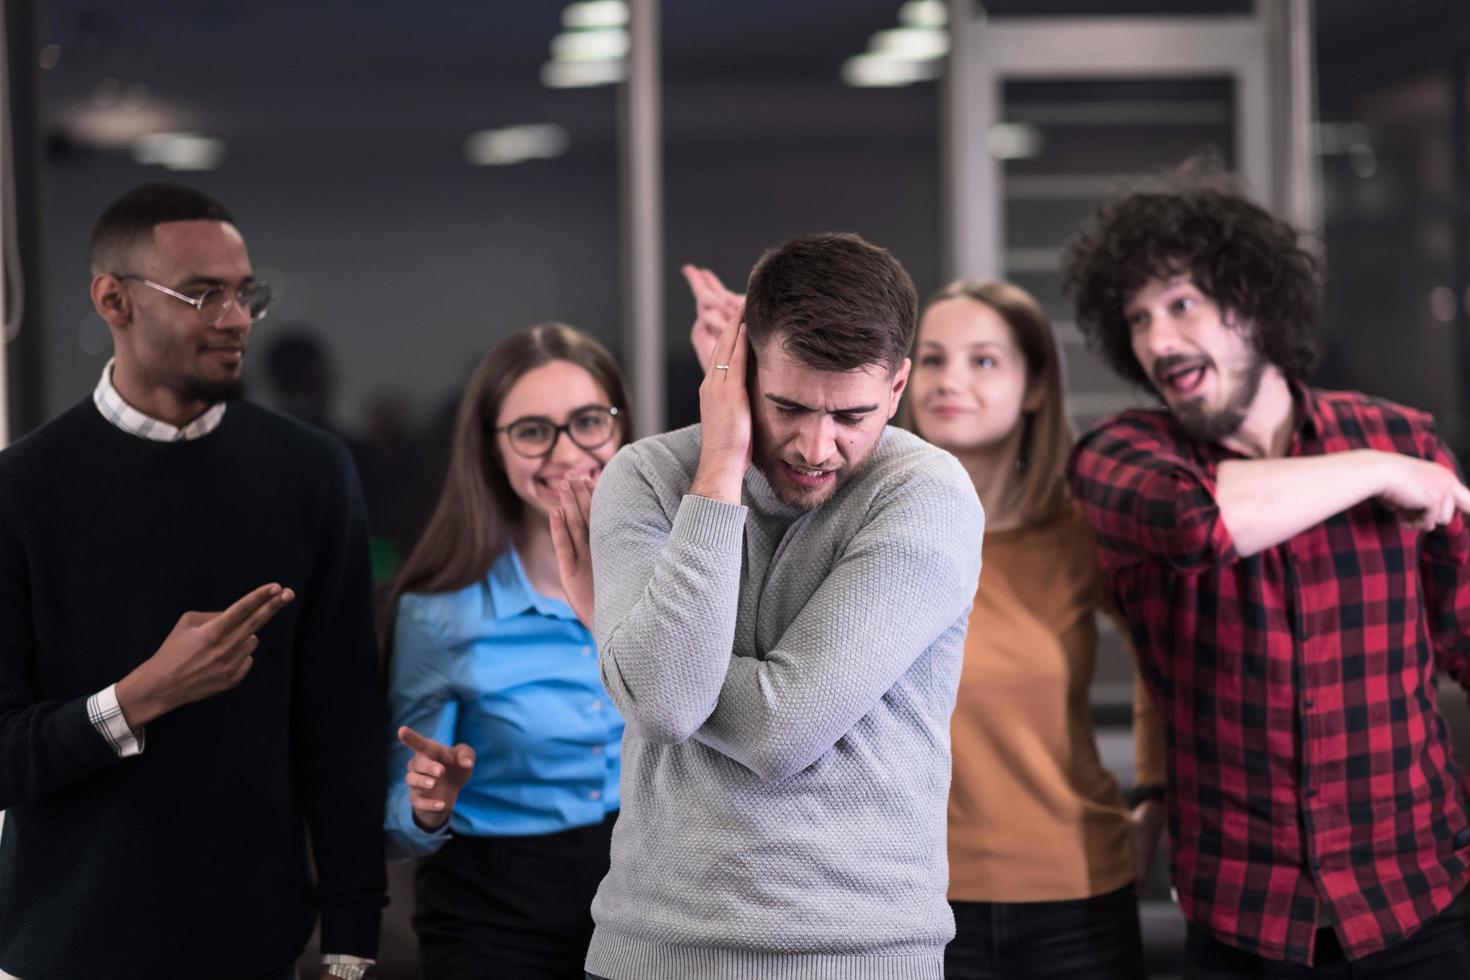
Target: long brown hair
478, 510
1047, 440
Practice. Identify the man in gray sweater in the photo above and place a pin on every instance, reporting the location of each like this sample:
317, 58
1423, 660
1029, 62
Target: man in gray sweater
781, 600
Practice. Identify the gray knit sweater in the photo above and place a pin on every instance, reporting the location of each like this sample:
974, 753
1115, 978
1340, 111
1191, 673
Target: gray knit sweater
787, 680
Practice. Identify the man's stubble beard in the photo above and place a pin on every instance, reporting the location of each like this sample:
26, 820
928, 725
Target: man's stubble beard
804, 501
1213, 427
212, 392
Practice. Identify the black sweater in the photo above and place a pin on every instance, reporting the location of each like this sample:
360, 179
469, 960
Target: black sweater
191, 858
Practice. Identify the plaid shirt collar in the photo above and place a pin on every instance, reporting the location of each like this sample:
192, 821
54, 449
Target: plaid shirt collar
130, 420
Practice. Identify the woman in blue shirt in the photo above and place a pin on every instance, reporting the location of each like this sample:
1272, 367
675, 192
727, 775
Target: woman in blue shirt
488, 656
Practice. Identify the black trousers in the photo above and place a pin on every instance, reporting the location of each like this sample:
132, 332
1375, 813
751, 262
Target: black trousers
1439, 950
1097, 938
510, 908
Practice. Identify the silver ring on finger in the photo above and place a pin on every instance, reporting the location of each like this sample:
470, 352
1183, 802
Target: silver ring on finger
722, 367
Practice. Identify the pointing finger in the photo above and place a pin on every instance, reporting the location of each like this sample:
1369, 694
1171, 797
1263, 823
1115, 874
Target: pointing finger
424, 746
1462, 497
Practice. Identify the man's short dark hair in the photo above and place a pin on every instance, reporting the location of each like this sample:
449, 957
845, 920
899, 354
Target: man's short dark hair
1251, 264
130, 219
834, 302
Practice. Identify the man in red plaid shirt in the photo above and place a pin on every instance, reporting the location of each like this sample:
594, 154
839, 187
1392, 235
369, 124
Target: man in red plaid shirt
1292, 564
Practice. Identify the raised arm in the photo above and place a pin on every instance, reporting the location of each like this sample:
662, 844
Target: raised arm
668, 585
1264, 502
907, 577
1146, 500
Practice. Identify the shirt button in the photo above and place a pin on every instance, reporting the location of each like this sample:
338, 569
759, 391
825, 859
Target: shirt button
596, 794
1317, 864
1311, 792
1308, 702
595, 706
597, 750
586, 651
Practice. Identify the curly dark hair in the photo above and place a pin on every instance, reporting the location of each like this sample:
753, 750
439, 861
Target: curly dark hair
1252, 265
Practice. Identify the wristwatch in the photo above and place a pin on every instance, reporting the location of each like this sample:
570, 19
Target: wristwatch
352, 971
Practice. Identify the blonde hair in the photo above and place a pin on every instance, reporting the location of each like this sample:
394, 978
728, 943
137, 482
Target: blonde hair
1047, 440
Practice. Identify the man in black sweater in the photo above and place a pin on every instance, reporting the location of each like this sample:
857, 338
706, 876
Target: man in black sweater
162, 763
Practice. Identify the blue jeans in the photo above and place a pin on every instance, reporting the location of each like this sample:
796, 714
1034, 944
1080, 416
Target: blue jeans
1097, 938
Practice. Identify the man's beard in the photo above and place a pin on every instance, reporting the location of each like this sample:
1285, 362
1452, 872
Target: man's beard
771, 466
211, 392
1216, 426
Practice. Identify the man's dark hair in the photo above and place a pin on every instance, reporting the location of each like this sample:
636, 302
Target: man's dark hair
834, 302
130, 219
1252, 265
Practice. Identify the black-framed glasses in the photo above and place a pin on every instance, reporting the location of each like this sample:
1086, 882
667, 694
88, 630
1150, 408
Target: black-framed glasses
215, 302
534, 436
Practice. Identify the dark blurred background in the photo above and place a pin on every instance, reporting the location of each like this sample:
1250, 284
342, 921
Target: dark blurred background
417, 182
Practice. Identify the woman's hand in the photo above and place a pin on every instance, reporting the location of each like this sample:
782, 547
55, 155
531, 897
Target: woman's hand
573, 543
1147, 826
435, 775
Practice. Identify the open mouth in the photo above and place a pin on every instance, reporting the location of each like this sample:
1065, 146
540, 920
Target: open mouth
1184, 379
809, 478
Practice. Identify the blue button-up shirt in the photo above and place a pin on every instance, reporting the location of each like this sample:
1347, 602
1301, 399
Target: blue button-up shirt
513, 674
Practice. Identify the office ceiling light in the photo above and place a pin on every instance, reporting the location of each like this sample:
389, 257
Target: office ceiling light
516, 144
923, 13
597, 13
880, 71
180, 151
582, 74
910, 43
912, 52
597, 45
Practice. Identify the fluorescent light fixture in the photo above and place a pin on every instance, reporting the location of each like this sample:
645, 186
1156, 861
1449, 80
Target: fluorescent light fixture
582, 74
879, 71
516, 144
597, 13
180, 151
923, 13
910, 43
598, 45
1013, 141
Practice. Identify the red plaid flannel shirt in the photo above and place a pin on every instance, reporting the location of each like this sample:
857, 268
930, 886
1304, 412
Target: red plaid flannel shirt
1310, 775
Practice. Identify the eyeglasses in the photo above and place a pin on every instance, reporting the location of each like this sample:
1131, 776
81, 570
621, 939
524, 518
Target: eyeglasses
214, 304
534, 436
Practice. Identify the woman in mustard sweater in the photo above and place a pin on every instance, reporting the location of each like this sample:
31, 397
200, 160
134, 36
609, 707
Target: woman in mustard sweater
1044, 855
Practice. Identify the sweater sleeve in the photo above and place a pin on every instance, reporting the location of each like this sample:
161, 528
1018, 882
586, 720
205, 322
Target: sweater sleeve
668, 586
45, 746
906, 577
338, 720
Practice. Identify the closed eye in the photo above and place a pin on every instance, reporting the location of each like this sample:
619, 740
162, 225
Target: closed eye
848, 420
